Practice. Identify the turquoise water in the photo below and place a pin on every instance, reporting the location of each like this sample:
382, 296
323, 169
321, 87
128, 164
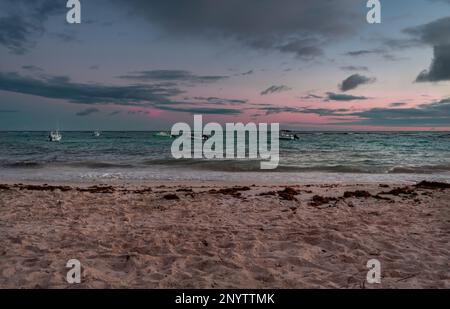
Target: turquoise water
144, 156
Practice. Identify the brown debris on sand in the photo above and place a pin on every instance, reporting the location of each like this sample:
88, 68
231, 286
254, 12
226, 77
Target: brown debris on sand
141, 191
432, 185
97, 189
5, 187
400, 191
171, 197
358, 193
288, 194
235, 191
42, 188
270, 193
318, 200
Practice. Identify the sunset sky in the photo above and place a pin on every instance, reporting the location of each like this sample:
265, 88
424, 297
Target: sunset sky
146, 64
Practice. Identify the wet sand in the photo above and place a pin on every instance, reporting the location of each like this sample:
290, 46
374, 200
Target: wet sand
219, 236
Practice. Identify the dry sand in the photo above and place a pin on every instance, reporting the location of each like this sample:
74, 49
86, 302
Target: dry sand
217, 236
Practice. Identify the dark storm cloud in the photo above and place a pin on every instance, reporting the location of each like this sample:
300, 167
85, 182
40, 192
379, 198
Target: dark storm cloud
436, 114
88, 112
440, 66
60, 87
354, 68
290, 26
24, 22
433, 33
343, 97
275, 89
172, 76
355, 80
436, 34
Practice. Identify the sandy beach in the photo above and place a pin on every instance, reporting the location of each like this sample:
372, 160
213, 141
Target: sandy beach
207, 235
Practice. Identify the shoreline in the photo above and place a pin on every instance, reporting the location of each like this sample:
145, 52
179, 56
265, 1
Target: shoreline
201, 177
225, 236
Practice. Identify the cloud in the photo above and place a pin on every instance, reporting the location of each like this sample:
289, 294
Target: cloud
311, 96
32, 68
279, 109
15, 32
247, 73
24, 21
440, 66
354, 68
289, 27
355, 80
343, 97
201, 110
397, 104
378, 52
302, 110
325, 111
172, 76
433, 114
306, 49
88, 112
60, 87
275, 89
156, 96
220, 101
436, 34
364, 52
138, 112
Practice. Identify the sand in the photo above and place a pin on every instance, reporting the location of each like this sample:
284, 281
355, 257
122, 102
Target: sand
219, 236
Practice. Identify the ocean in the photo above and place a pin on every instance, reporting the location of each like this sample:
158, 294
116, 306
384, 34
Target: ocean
317, 157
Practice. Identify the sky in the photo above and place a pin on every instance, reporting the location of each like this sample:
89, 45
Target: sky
147, 64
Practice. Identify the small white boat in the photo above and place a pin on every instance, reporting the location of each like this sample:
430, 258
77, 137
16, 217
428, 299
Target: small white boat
97, 133
288, 136
162, 134
55, 136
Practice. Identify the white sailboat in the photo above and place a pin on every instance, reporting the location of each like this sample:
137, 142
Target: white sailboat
55, 136
97, 133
